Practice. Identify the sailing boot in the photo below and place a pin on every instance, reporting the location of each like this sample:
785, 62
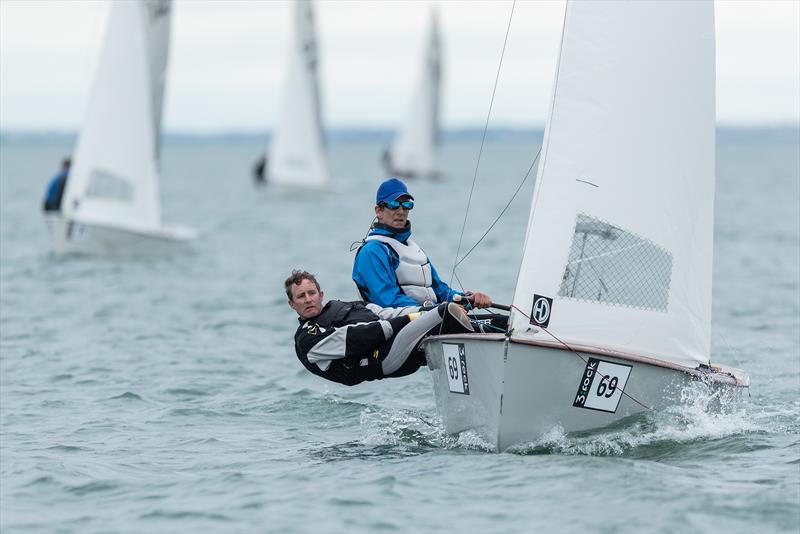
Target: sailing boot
455, 320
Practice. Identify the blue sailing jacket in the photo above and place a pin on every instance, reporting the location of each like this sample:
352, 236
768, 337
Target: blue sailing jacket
374, 272
55, 190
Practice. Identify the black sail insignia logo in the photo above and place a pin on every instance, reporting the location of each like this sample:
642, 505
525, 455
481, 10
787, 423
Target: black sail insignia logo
541, 310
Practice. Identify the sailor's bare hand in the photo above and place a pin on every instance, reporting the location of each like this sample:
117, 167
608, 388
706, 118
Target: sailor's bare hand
480, 300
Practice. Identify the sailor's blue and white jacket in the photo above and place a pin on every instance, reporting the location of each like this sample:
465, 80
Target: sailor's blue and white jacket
391, 270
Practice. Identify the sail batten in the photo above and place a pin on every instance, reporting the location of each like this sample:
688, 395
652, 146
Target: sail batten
618, 250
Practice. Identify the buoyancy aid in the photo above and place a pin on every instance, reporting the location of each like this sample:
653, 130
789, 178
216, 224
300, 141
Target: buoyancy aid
413, 270
349, 370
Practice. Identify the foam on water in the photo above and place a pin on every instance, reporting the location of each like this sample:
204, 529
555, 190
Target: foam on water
704, 414
403, 429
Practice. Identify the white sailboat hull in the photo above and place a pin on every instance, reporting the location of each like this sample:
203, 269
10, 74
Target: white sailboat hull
515, 392
68, 237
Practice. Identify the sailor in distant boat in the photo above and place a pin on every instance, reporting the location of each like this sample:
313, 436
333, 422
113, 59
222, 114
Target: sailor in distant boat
390, 269
353, 342
259, 170
55, 189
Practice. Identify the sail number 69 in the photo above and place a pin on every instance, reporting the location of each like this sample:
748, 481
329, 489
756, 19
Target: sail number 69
607, 384
452, 367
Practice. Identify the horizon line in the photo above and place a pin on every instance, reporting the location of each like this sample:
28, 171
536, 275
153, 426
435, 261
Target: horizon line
248, 132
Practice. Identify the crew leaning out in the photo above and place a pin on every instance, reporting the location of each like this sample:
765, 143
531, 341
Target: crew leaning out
352, 342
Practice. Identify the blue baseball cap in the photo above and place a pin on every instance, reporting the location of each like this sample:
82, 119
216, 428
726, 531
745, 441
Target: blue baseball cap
391, 189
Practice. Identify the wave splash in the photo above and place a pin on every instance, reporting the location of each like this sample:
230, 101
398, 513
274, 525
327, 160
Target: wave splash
703, 415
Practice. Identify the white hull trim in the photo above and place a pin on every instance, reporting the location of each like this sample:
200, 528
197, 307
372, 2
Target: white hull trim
513, 391
69, 237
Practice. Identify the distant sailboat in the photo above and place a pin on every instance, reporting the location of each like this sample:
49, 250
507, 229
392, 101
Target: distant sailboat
298, 153
414, 153
111, 200
612, 309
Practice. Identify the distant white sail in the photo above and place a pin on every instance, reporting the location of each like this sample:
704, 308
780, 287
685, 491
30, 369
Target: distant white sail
114, 177
414, 152
619, 243
298, 156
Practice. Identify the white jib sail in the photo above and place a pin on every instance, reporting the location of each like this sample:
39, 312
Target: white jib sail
620, 235
298, 149
415, 150
114, 177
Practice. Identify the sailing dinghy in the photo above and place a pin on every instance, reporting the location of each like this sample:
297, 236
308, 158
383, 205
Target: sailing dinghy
612, 309
414, 153
111, 200
298, 156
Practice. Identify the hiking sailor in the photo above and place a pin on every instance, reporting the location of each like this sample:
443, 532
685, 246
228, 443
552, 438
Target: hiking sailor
351, 342
390, 269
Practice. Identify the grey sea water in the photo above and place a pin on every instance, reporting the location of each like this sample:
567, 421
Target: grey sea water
162, 394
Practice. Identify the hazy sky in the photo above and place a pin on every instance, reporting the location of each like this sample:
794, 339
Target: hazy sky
227, 61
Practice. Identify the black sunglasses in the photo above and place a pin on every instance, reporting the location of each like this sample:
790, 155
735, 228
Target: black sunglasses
395, 204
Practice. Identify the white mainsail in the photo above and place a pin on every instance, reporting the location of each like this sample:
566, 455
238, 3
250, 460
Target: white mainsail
415, 150
298, 155
620, 234
114, 177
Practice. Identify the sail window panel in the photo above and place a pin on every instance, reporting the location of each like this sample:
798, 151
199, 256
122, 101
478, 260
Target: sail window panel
609, 265
108, 186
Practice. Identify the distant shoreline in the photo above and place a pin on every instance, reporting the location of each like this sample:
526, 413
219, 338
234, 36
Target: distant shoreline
776, 133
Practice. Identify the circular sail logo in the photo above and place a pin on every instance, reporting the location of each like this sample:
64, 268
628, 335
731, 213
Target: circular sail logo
540, 311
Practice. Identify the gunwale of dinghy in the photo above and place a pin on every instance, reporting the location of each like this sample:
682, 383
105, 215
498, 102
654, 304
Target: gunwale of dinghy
717, 373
